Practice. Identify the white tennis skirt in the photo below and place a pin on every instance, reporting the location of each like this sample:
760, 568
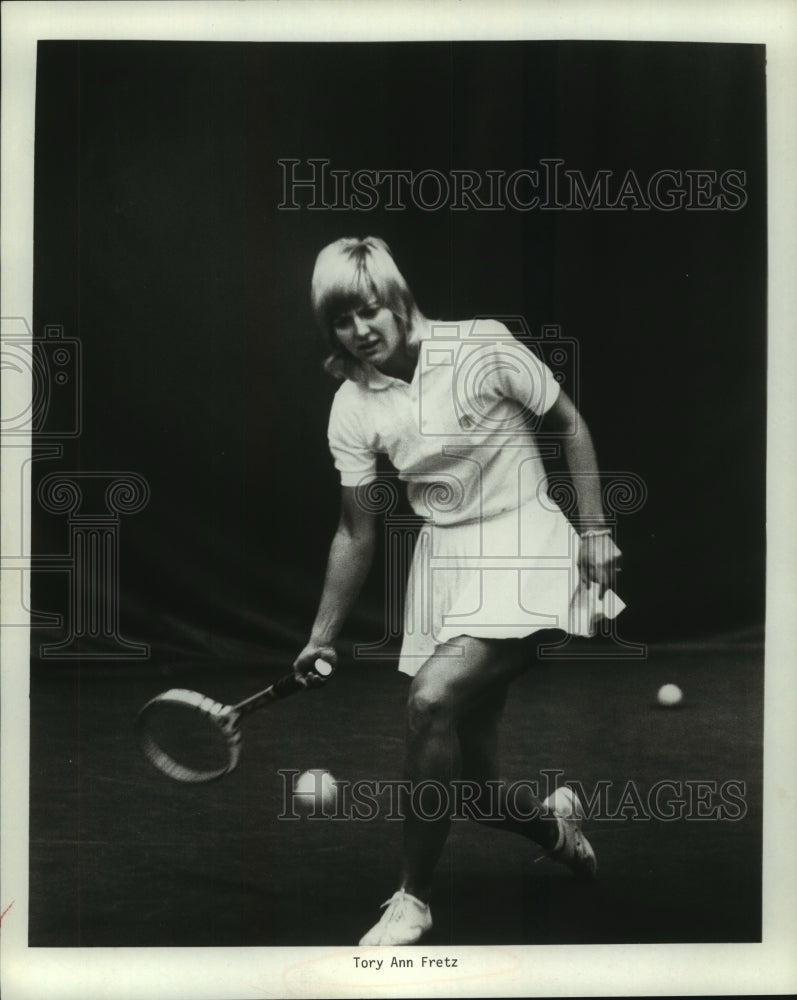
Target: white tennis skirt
503, 577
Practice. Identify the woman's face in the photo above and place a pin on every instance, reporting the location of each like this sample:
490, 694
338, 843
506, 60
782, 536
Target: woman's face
370, 332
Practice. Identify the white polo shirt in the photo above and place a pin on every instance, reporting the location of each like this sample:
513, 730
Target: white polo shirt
459, 434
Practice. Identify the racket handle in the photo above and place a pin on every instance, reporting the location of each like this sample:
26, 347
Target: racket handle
322, 668
290, 683
287, 685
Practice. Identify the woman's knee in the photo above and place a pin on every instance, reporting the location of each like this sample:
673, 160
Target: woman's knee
430, 704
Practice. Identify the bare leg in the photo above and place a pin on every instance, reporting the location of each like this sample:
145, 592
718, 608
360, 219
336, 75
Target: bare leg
478, 734
444, 694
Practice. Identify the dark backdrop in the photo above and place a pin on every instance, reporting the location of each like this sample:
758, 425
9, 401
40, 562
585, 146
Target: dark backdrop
159, 244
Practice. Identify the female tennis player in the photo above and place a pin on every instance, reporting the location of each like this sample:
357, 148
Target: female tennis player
457, 408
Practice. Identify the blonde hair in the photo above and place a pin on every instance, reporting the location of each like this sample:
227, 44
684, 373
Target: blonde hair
349, 272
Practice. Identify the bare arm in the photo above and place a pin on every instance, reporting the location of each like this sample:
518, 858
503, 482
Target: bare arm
598, 554
579, 453
350, 556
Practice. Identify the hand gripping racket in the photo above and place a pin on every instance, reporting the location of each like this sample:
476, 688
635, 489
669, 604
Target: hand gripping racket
190, 737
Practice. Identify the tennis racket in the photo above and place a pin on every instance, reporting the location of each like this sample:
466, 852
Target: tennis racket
190, 737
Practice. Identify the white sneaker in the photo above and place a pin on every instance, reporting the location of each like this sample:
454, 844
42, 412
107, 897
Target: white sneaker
572, 848
565, 803
405, 921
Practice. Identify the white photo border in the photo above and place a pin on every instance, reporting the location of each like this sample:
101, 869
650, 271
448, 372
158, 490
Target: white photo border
237, 973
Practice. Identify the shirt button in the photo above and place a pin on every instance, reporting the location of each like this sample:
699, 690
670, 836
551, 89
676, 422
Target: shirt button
465, 422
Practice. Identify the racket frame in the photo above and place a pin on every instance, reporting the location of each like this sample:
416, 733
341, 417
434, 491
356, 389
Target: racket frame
226, 719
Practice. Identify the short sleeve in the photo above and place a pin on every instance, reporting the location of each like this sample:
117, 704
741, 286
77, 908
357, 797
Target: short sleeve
521, 375
354, 459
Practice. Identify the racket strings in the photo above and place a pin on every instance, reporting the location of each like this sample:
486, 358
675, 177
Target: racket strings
189, 740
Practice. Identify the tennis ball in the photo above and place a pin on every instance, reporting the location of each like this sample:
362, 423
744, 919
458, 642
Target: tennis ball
669, 695
315, 790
